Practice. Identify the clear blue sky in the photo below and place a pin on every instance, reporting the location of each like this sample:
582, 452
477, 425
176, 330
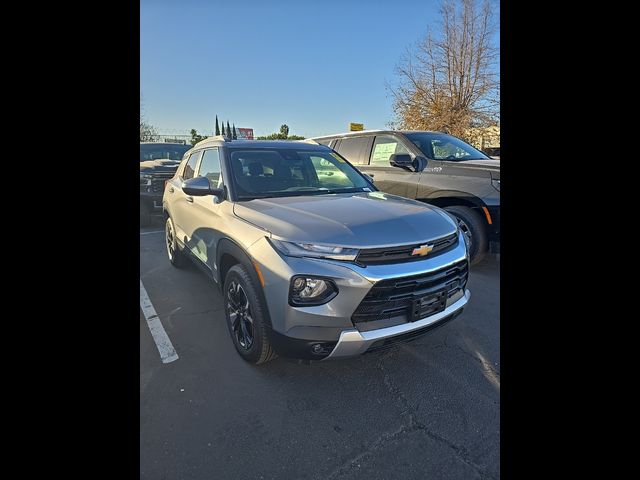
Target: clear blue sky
315, 66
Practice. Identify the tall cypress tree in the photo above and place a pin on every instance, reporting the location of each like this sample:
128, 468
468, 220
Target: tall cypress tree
235, 136
222, 128
228, 129
217, 127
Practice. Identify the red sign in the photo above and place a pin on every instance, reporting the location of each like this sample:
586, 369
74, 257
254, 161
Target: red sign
245, 133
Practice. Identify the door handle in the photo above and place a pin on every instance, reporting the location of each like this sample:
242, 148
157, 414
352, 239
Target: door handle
189, 199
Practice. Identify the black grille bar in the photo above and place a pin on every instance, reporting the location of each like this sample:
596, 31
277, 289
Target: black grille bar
403, 253
411, 298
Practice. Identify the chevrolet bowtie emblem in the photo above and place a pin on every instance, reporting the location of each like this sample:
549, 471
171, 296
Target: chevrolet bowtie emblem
422, 250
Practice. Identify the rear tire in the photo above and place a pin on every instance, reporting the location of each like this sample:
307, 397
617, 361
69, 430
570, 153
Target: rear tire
245, 316
475, 230
176, 256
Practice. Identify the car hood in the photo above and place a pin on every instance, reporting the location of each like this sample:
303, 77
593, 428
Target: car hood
159, 166
359, 220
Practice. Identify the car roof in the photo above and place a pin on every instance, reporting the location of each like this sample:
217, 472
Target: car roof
281, 144
165, 143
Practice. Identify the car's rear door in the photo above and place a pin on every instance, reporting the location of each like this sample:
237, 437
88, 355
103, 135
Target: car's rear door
205, 219
181, 204
386, 177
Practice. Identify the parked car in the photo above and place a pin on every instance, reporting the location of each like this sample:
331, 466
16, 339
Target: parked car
312, 260
433, 168
493, 152
158, 163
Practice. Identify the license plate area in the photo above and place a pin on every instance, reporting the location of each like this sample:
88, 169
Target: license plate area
428, 305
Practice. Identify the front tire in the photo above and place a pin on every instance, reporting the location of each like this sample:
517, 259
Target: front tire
474, 229
245, 315
176, 256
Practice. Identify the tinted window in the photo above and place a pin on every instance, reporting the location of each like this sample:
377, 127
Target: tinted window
440, 146
210, 166
154, 151
383, 148
190, 166
286, 172
355, 149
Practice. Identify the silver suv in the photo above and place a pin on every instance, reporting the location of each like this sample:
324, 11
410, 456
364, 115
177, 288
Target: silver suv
313, 261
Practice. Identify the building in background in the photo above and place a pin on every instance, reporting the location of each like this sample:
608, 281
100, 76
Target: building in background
244, 133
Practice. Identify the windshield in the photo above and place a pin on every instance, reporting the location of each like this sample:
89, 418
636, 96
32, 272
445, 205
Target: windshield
168, 151
262, 173
440, 146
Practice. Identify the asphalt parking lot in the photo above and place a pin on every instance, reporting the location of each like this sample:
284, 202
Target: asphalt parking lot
427, 409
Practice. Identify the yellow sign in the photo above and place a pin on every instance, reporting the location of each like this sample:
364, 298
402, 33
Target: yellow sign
356, 127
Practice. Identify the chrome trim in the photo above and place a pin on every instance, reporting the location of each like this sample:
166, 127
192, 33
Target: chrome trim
352, 342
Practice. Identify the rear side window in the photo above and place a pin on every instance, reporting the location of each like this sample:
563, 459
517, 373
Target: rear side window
383, 148
355, 149
189, 168
210, 166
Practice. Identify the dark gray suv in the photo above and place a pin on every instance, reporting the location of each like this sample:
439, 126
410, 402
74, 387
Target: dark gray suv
434, 168
313, 262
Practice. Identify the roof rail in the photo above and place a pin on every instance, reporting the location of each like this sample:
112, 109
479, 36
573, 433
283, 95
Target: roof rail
214, 138
308, 140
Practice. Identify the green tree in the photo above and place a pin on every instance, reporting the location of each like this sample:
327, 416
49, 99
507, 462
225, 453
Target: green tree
235, 135
222, 128
195, 138
228, 129
217, 127
283, 134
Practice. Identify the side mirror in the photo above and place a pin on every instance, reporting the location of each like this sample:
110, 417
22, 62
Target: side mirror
368, 177
420, 163
402, 160
200, 187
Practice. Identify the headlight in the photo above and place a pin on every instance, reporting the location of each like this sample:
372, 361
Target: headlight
315, 251
496, 184
309, 291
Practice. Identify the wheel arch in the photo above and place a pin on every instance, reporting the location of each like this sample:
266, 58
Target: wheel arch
228, 254
450, 198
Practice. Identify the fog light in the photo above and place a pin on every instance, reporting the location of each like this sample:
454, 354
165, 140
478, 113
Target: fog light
317, 348
309, 291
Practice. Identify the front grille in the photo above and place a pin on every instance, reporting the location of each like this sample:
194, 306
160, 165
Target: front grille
406, 299
157, 182
382, 256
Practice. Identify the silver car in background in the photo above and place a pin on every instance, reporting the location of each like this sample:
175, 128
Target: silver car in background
313, 262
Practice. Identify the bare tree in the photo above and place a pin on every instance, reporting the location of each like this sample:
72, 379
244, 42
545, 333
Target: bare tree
148, 133
448, 83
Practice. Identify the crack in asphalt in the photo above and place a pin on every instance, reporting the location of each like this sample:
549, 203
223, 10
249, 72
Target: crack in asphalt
412, 425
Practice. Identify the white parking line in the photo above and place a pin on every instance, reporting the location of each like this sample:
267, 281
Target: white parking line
149, 233
165, 347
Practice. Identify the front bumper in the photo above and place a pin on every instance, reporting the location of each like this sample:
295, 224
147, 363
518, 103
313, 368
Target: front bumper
353, 342
297, 330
